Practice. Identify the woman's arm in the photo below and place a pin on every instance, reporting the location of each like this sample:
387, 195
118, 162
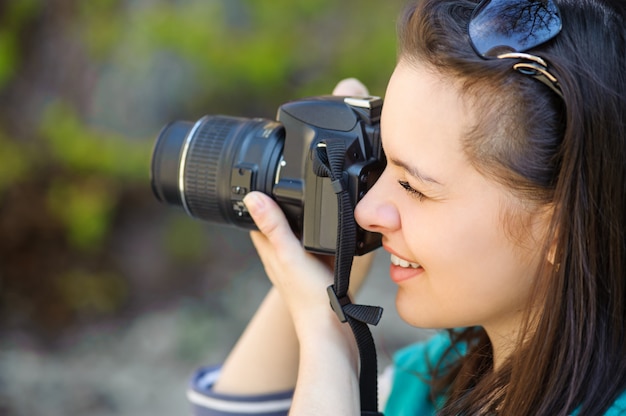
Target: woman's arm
265, 358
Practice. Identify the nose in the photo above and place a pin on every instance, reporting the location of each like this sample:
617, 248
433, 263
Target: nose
376, 211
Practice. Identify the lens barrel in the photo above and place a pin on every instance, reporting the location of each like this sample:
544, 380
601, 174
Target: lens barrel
208, 167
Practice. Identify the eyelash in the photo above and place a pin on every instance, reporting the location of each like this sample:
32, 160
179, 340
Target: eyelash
412, 191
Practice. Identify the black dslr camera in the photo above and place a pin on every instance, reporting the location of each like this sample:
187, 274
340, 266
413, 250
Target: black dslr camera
207, 167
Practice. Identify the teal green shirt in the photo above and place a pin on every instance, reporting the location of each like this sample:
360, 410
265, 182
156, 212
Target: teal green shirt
410, 392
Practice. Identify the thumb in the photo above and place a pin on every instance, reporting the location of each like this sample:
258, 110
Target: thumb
351, 87
270, 220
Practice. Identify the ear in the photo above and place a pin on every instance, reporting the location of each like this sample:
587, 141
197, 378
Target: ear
552, 235
552, 252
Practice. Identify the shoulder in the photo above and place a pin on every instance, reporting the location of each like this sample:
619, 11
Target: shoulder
420, 356
412, 365
618, 408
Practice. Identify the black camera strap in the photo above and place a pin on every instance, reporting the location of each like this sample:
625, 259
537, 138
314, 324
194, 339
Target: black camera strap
329, 162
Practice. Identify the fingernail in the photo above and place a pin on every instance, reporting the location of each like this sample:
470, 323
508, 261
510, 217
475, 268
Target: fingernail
253, 202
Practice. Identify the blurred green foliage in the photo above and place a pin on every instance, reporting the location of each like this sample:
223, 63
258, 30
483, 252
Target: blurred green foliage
14, 162
16, 15
84, 88
97, 165
95, 293
81, 149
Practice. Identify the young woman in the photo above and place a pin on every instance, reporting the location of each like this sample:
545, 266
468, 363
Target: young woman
503, 208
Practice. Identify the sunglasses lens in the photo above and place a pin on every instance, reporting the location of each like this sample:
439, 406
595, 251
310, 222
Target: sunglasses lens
500, 26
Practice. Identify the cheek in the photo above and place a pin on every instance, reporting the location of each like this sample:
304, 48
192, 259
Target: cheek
467, 251
475, 271
470, 228
458, 296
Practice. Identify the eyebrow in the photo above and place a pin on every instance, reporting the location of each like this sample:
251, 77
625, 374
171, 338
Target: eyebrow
414, 172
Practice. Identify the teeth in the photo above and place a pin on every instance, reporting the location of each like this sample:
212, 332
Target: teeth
397, 261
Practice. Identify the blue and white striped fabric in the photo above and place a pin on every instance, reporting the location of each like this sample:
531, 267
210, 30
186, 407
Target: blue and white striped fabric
205, 402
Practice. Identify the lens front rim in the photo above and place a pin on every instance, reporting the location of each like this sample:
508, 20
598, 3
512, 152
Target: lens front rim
183, 163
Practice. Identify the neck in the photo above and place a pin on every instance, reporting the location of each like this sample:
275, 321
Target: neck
505, 338
506, 335
503, 346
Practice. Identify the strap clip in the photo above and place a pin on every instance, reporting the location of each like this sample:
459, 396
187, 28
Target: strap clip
338, 186
337, 304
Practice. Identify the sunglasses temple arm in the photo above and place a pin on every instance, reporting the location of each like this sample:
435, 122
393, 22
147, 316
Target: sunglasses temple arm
536, 67
539, 73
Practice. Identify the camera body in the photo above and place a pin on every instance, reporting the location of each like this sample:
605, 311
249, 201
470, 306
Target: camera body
208, 167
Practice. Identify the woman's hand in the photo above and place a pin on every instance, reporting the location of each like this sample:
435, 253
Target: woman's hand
351, 87
300, 277
328, 381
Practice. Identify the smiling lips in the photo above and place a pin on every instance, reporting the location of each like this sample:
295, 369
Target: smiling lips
401, 270
397, 261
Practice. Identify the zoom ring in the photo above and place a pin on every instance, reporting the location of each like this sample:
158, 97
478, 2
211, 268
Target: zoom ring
202, 168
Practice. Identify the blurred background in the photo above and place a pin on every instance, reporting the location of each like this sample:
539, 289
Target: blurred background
108, 299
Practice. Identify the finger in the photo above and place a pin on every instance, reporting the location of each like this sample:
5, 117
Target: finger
266, 252
351, 87
271, 221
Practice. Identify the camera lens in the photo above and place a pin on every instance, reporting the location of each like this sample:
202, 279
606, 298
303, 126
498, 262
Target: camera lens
209, 166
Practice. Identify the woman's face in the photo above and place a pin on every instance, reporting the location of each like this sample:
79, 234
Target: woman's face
454, 256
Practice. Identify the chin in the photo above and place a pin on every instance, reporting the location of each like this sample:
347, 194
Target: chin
418, 317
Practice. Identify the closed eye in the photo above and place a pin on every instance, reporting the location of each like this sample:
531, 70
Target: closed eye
412, 191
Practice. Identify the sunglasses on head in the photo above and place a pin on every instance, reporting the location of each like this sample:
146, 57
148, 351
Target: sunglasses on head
506, 29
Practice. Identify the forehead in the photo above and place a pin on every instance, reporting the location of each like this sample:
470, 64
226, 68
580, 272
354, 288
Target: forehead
424, 120
425, 124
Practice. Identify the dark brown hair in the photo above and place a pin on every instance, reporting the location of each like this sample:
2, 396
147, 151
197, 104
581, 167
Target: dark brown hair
566, 155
